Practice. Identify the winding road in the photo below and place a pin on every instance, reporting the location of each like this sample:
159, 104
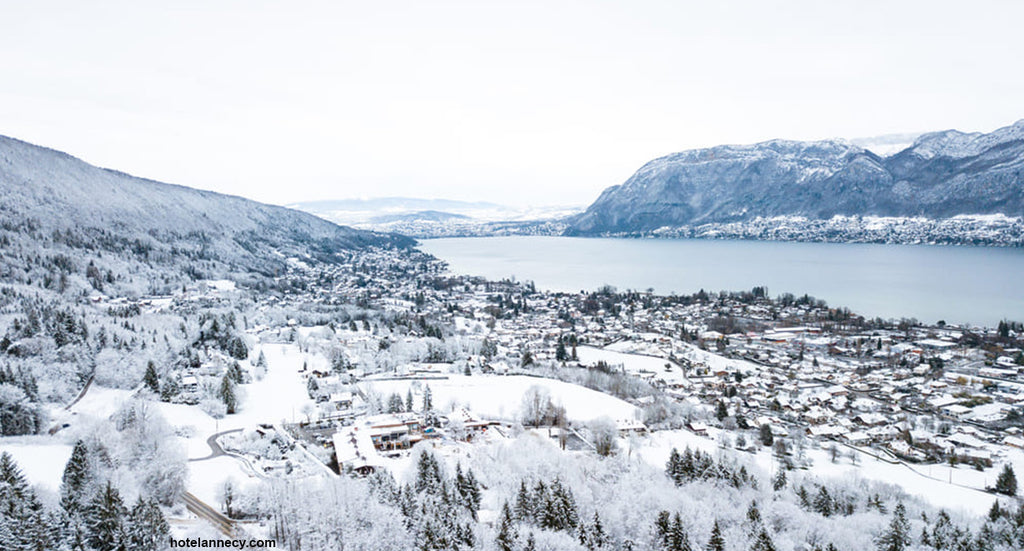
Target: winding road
215, 449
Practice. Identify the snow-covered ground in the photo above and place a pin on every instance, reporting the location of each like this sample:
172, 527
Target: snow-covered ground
206, 478
41, 460
635, 364
280, 396
498, 397
691, 352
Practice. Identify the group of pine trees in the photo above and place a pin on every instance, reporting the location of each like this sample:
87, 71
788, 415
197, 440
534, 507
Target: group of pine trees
1003, 529
670, 534
692, 465
91, 516
827, 504
550, 506
221, 331
19, 411
547, 506
441, 510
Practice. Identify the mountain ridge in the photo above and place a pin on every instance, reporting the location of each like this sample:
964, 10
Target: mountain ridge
57, 192
942, 174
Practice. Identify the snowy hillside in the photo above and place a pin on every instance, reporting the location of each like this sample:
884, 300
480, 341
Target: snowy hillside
56, 192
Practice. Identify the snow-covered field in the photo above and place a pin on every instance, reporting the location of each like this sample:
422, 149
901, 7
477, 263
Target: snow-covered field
41, 461
634, 364
498, 397
690, 352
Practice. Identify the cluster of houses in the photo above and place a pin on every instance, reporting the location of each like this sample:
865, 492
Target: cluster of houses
796, 365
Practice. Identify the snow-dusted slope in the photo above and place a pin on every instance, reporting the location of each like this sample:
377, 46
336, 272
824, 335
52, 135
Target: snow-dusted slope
52, 191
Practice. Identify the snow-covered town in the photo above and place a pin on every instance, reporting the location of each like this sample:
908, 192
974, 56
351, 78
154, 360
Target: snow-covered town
360, 370
511, 276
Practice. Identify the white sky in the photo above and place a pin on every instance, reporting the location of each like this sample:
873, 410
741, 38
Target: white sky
524, 102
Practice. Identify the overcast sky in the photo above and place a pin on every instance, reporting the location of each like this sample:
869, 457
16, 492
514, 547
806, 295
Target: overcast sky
522, 103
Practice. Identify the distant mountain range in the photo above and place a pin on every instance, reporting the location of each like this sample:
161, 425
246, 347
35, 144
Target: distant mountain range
441, 217
52, 196
940, 175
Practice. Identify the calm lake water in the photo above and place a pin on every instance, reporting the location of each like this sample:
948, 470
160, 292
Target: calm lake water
978, 285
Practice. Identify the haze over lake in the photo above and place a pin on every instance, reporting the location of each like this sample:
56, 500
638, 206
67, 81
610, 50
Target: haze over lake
978, 285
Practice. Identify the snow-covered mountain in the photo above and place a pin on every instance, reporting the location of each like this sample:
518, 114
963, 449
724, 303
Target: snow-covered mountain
441, 217
51, 193
942, 174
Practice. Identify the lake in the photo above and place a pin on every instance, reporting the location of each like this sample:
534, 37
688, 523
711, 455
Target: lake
978, 285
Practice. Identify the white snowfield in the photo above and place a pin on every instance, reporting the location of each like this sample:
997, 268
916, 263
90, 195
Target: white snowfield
634, 364
501, 397
41, 461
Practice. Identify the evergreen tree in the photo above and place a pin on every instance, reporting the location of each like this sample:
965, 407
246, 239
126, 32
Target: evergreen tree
235, 373
106, 520
395, 404
897, 536
679, 539
428, 400
408, 400
597, 537
11, 476
754, 517
76, 477
541, 500
428, 474
560, 353
227, 394
995, 511
805, 500
721, 411
1006, 483
780, 480
560, 513
146, 528
716, 542
472, 493
663, 530
151, 380
763, 542
523, 507
468, 490
506, 538
531, 543
823, 503
23, 522
674, 467
170, 388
